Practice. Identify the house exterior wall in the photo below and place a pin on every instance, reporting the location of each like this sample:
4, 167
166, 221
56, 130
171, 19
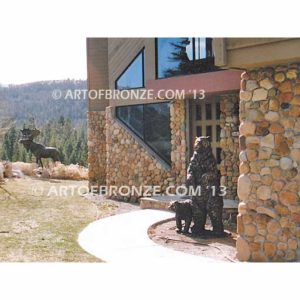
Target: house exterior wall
129, 162
247, 53
116, 155
97, 70
269, 110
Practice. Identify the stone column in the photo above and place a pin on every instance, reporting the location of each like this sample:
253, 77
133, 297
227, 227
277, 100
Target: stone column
269, 181
229, 122
97, 63
178, 141
96, 148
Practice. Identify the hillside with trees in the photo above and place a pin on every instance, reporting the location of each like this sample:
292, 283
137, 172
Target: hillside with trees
70, 142
35, 100
62, 122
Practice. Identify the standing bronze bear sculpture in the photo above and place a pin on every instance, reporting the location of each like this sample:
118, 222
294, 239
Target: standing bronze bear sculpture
203, 172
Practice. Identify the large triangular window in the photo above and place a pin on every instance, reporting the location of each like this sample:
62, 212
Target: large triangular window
151, 123
133, 76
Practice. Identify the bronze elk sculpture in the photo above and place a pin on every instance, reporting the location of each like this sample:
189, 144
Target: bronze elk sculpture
38, 150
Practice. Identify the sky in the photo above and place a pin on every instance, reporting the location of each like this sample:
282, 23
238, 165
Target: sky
45, 40
30, 58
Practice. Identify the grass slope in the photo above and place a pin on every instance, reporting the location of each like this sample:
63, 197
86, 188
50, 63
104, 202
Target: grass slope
36, 226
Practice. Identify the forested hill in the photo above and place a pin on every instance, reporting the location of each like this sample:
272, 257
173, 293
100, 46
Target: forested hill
35, 100
62, 122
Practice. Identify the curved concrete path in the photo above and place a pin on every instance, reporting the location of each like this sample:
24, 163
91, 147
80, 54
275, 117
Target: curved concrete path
123, 238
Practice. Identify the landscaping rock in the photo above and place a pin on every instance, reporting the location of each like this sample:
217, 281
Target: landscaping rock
8, 169
1, 171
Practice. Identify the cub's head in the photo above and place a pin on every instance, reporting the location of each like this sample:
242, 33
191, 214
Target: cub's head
173, 205
202, 143
179, 205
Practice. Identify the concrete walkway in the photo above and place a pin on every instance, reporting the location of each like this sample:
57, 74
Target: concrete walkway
123, 238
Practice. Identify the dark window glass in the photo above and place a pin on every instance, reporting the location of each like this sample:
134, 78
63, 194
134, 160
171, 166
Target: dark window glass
181, 56
199, 130
209, 131
198, 112
157, 129
133, 76
170, 55
151, 122
200, 46
218, 133
219, 151
208, 111
132, 117
218, 111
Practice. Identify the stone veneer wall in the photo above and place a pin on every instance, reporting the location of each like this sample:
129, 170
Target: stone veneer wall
96, 148
269, 184
129, 163
229, 122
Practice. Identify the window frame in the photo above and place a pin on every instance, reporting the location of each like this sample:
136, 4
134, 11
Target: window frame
142, 51
194, 59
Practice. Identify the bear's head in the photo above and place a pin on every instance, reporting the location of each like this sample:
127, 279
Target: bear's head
202, 143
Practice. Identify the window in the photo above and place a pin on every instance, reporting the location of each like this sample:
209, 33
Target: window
218, 133
198, 112
131, 116
151, 122
218, 110
181, 56
219, 155
199, 130
205, 116
208, 111
133, 76
209, 132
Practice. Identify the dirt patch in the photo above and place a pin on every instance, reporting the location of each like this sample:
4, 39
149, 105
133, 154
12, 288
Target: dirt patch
107, 207
164, 233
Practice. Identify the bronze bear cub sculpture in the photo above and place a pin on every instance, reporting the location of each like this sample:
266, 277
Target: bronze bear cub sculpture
183, 211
